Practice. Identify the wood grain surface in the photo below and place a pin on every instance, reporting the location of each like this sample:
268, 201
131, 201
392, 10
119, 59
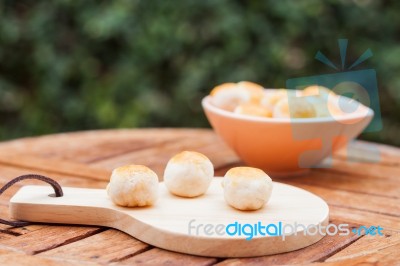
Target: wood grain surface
362, 187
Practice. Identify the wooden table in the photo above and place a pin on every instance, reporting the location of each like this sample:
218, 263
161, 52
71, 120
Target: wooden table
358, 189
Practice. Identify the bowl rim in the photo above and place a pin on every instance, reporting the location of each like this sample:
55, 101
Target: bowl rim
207, 105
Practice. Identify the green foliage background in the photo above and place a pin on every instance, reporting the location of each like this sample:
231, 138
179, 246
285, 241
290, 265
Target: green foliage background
73, 65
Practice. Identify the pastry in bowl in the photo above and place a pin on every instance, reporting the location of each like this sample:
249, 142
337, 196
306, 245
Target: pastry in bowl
248, 98
292, 107
286, 132
229, 95
253, 109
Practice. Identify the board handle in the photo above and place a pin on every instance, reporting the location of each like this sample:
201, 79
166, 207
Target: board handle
84, 206
58, 192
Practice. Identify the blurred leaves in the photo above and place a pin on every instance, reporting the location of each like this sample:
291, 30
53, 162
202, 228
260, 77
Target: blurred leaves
74, 65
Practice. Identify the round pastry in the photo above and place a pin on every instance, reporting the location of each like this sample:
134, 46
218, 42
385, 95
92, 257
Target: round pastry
247, 188
318, 91
320, 105
255, 91
133, 185
229, 95
253, 110
188, 174
294, 107
271, 98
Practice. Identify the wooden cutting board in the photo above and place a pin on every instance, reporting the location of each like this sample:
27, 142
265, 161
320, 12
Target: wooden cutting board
193, 226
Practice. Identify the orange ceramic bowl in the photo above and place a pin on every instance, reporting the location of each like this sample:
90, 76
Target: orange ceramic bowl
284, 146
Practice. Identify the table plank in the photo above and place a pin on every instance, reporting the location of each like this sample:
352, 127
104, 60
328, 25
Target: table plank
374, 170
157, 157
362, 184
355, 200
34, 163
366, 245
49, 237
363, 151
364, 217
10, 257
386, 256
89, 146
111, 246
158, 256
17, 231
9, 172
